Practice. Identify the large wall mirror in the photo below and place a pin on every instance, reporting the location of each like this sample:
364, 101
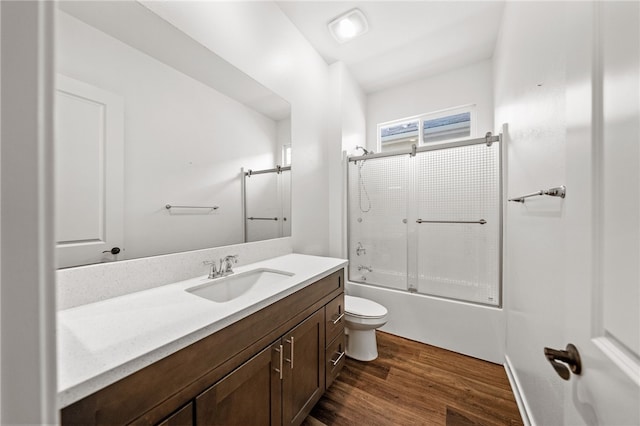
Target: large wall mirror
161, 145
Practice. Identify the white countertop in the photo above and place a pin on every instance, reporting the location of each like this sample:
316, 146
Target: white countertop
103, 342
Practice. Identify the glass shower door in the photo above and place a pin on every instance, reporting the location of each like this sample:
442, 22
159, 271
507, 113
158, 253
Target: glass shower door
262, 207
378, 189
458, 222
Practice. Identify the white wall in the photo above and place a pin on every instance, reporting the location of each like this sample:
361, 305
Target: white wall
347, 126
566, 81
259, 39
462, 86
530, 87
184, 143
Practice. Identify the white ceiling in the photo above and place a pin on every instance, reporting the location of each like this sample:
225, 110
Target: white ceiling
407, 40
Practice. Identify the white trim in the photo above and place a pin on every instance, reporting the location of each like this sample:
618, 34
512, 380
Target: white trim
27, 254
521, 400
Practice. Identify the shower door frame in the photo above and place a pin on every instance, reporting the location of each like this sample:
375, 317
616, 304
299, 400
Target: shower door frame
489, 139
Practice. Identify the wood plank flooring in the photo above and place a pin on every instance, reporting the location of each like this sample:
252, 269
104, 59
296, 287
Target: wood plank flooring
416, 384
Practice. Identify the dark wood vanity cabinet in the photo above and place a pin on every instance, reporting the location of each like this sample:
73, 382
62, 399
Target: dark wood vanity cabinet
233, 377
182, 417
278, 386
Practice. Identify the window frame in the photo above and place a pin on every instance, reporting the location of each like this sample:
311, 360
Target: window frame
470, 108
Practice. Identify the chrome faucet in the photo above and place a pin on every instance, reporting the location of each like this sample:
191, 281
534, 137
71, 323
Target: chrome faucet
224, 267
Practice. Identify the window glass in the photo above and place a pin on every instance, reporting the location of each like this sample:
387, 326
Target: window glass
399, 136
455, 126
435, 127
286, 155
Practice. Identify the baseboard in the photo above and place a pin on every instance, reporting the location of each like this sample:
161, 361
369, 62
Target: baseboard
523, 406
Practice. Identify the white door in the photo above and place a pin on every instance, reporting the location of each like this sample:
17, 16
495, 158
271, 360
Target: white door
603, 211
88, 173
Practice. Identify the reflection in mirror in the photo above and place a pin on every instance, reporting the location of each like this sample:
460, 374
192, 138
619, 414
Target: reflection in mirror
267, 203
147, 117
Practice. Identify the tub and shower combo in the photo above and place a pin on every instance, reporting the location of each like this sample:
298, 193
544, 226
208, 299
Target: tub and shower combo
425, 241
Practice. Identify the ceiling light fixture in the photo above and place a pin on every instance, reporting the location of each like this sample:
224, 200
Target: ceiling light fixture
348, 26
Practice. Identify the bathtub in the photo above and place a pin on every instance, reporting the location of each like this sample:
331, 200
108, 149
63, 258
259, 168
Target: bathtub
466, 328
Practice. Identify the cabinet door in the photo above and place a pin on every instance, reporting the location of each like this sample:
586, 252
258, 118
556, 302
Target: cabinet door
250, 395
303, 382
183, 417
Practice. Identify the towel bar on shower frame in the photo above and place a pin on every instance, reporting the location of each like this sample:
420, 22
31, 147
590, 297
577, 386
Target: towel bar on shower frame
170, 206
480, 222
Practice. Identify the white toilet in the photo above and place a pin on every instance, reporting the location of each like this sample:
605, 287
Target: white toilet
362, 317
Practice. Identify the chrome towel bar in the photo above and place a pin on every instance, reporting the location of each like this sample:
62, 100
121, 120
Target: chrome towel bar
169, 207
558, 191
481, 221
277, 169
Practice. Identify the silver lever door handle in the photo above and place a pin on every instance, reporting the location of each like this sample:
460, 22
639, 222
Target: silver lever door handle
290, 359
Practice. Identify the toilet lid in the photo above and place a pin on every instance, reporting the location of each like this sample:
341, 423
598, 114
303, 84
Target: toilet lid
363, 307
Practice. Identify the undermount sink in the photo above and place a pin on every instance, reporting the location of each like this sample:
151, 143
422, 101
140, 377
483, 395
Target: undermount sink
231, 287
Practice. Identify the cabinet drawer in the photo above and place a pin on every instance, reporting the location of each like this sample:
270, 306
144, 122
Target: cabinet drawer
335, 356
332, 282
334, 314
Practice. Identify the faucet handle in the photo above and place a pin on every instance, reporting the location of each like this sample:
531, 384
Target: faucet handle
226, 264
213, 270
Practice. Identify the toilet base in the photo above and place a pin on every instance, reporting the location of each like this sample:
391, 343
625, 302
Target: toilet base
361, 344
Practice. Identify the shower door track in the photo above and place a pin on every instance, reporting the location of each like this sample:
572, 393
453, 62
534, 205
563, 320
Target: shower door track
488, 140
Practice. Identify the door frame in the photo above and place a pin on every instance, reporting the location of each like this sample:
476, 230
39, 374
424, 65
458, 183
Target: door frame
28, 321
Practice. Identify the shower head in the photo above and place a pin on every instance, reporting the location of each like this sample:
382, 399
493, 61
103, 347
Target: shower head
364, 150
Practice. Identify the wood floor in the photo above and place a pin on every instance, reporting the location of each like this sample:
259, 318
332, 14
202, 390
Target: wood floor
415, 384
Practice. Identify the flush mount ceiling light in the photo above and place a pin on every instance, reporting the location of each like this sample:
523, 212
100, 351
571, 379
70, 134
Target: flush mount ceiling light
348, 26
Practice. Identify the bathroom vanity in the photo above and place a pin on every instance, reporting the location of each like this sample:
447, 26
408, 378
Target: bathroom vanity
267, 360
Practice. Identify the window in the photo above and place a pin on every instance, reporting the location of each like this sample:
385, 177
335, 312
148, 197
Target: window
286, 155
400, 135
436, 127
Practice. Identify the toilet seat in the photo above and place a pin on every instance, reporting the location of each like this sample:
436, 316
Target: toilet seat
363, 308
